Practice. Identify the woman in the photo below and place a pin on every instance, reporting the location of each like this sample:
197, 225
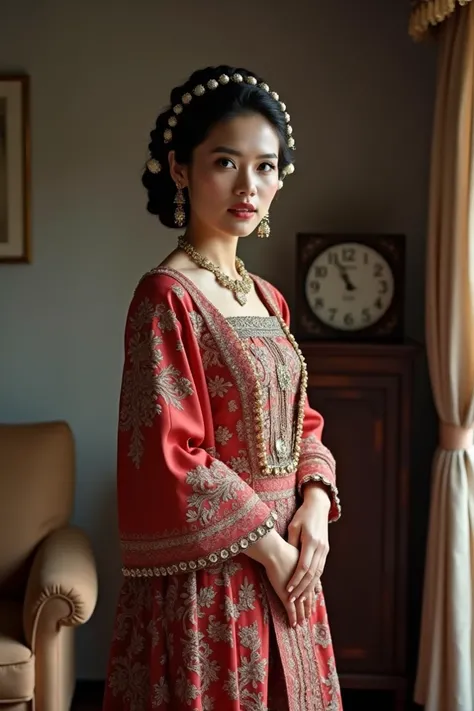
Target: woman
224, 487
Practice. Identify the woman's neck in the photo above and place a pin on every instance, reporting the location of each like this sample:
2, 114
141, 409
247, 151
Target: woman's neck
221, 250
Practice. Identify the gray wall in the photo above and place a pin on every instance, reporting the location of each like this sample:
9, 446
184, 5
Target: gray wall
360, 95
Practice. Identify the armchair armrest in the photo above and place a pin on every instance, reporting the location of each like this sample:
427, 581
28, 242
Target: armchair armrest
63, 574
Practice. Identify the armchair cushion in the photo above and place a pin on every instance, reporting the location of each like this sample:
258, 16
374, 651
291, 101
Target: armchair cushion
17, 663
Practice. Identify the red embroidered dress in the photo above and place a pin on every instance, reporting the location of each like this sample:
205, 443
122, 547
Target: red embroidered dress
208, 438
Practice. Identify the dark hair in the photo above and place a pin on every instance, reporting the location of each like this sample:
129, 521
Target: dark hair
194, 124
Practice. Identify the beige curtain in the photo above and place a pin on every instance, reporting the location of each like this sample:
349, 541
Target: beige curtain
446, 657
427, 13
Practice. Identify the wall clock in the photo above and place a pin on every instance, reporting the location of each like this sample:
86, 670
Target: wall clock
350, 287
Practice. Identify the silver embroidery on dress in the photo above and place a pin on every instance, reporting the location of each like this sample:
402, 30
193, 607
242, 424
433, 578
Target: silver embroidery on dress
255, 326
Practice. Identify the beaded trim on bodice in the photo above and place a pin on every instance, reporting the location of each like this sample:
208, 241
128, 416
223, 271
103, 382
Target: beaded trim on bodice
278, 371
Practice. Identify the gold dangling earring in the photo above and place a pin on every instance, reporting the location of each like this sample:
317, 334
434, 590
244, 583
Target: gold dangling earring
179, 201
263, 230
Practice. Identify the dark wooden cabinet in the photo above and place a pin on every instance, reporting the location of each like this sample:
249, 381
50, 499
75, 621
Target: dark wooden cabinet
364, 393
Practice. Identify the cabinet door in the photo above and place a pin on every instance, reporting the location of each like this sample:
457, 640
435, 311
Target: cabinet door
361, 429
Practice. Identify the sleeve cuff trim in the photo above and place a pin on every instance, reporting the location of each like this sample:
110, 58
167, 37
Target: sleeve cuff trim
205, 562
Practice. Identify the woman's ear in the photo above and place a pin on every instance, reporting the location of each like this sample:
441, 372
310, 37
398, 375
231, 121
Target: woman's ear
178, 172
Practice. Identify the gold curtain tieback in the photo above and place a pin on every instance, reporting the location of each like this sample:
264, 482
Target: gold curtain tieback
455, 436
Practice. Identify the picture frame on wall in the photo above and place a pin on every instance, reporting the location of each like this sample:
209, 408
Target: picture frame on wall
15, 167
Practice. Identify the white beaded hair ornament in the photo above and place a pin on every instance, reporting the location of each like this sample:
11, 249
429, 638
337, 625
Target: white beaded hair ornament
154, 166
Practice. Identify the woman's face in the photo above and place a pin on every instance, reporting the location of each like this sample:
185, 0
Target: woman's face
233, 176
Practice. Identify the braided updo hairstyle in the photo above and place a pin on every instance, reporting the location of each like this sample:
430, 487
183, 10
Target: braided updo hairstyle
193, 123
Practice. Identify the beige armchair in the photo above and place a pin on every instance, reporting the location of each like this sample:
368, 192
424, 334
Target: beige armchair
48, 579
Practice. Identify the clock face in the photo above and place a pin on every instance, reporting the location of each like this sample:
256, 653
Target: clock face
349, 286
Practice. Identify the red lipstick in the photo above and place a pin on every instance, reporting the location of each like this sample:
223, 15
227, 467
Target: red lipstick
243, 210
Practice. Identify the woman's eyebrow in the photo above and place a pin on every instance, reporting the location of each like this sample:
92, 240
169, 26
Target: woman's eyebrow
233, 152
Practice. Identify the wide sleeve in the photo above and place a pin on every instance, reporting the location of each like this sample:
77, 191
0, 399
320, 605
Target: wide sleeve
180, 507
316, 461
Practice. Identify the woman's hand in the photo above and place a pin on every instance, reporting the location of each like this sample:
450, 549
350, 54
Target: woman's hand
308, 531
279, 559
279, 569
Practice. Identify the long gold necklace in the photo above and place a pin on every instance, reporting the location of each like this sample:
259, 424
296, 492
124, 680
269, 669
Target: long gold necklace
239, 287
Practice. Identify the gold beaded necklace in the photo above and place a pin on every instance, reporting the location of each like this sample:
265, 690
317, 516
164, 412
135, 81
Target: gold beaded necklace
239, 287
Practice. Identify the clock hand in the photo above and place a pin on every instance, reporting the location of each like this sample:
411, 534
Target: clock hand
344, 275
349, 285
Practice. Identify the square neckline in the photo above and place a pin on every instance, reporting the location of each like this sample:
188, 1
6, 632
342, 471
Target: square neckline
258, 288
